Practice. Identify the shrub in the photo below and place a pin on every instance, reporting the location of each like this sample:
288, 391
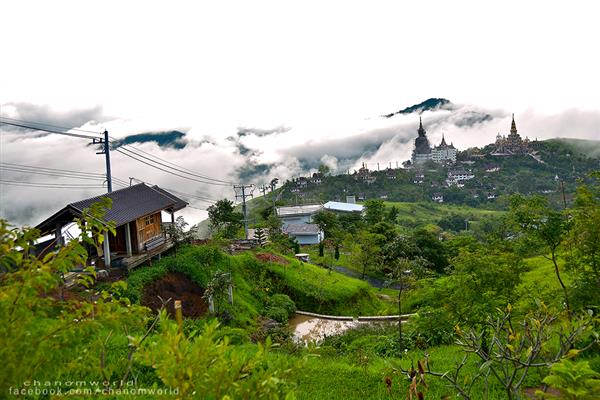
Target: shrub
279, 314
235, 335
282, 301
431, 327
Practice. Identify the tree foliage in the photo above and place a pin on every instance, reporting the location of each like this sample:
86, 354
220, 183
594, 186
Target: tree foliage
374, 211
224, 220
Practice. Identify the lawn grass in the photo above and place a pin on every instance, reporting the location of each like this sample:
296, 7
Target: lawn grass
345, 261
320, 290
362, 376
423, 213
539, 281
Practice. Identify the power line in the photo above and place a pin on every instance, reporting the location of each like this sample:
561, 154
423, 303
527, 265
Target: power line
48, 130
161, 193
132, 151
53, 169
25, 171
33, 171
172, 165
193, 196
50, 125
165, 170
50, 185
167, 166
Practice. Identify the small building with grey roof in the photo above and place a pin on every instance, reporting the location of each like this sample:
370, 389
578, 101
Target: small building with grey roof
304, 233
137, 214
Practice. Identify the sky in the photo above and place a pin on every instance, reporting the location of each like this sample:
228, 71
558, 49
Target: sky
306, 81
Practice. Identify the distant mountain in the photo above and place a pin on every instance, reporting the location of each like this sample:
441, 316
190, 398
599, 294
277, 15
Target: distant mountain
427, 105
174, 139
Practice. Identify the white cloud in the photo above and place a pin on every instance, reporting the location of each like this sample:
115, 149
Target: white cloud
319, 73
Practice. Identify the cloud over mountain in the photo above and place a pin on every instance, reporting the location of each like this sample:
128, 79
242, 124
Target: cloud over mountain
250, 154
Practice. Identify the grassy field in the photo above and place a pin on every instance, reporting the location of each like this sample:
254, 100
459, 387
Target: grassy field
320, 290
539, 281
422, 213
361, 375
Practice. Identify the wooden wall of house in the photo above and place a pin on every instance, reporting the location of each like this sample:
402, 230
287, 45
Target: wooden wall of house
147, 227
117, 242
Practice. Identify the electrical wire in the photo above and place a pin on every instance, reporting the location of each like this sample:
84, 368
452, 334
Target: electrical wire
25, 171
167, 171
50, 131
173, 165
170, 172
52, 169
179, 193
50, 185
132, 151
64, 128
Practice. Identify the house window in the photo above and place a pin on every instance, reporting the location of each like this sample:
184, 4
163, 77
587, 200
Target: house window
149, 220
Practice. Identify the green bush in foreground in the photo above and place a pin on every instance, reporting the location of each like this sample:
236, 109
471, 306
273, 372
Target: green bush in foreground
206, 366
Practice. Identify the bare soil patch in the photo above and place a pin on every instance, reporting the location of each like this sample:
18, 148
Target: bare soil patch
270, 257
176, 286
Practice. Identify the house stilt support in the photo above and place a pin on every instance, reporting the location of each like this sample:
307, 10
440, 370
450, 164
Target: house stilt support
128, 239
106, 251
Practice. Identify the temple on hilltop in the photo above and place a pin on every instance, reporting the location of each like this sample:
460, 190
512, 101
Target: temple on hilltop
422, 152
511, 144
444, 153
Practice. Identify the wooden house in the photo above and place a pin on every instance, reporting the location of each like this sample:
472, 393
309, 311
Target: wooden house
137, 214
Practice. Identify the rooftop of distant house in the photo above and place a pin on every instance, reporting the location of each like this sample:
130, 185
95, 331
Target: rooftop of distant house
345, 207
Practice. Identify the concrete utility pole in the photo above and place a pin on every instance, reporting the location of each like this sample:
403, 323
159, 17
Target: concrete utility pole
243, 196
106, 152
274, 182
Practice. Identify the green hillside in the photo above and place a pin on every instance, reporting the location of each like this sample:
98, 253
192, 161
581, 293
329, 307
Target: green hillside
501, 176
519, 298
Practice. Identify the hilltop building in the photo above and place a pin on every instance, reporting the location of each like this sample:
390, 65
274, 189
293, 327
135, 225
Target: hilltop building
444, 153
511, 144
365, 175
422, 152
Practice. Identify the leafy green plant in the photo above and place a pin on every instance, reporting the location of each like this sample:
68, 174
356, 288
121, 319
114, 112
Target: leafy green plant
509, 352
279, 314
206, 366
283, 301
48, 331
574, 380
217, 289
177, 233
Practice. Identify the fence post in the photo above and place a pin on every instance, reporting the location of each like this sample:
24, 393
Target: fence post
179, 315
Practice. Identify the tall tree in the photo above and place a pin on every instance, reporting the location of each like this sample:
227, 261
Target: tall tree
544, 227
324, 169
224, 220
401, 263
375, 211
584, 242
328, 222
